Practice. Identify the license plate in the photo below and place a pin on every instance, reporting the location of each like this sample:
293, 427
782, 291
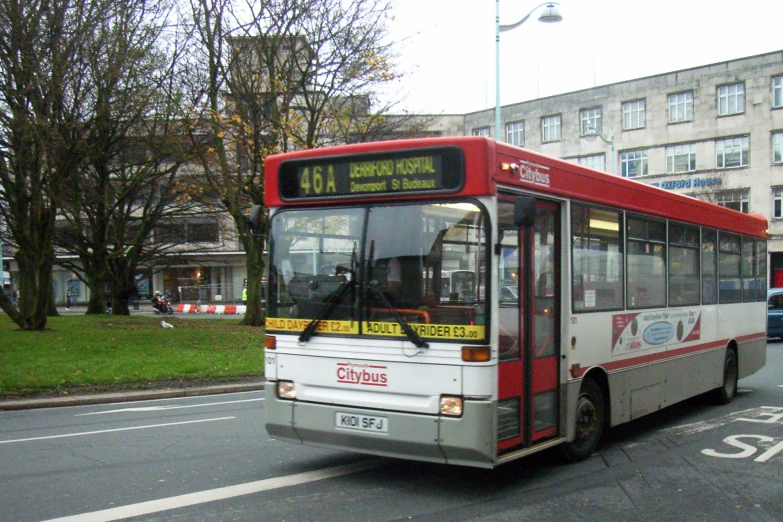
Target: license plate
352, 421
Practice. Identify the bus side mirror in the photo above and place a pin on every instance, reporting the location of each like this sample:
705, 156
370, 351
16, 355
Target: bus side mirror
254, 218
524, 211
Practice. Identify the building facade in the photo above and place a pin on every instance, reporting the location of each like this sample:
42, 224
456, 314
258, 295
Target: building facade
714, 132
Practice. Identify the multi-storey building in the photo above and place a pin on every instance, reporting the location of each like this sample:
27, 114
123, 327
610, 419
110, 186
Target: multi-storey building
714, 132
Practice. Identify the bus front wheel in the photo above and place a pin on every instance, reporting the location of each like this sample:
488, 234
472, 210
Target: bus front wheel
728, 389
590, 418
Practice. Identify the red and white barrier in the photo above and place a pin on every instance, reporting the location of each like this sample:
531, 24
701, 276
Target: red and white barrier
210, 309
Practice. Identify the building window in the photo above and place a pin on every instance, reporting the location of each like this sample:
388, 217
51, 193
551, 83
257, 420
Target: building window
777, 203
731, 153
633, 163
481, 131
203, 232
777, 147
735, 199
633, 115
681, 107
591, 121
515, 133
680, 158
188, 232
550, 128
777, 92
731, 99
596, 161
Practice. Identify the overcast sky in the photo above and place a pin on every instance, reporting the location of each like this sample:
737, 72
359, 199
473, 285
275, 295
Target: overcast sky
448, 46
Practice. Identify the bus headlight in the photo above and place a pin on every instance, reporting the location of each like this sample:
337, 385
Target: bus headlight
286, 390
451, 406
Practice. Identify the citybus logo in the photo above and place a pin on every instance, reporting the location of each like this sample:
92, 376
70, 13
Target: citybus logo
530, 173
361, 374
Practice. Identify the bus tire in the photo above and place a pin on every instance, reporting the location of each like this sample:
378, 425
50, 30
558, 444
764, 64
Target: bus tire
726, 392
590, 419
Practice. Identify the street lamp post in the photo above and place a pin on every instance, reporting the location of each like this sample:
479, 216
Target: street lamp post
610, 140
549, 15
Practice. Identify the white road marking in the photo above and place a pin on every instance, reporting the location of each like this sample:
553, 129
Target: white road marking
696, 427
190, 499
161, 408
114, 430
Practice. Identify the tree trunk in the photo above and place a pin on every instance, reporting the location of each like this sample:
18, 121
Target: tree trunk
119, 307
127, 290
97, 284
254, 316
8, 307
51, 306
33, 296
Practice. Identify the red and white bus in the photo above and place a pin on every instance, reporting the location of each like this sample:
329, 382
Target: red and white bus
593, 300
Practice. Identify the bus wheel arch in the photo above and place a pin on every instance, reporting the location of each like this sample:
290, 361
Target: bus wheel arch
592, 414
728, 388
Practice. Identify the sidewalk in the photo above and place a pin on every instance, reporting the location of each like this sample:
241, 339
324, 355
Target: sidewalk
129, 396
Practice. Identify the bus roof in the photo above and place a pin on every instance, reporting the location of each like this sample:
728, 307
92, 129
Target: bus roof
492, 165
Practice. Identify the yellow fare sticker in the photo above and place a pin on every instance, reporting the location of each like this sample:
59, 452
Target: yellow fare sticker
326, 326
430, 331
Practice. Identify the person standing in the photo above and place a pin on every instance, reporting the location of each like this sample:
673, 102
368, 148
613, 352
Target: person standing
68, 300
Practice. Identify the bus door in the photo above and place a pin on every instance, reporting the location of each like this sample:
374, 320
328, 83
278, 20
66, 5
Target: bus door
529, 314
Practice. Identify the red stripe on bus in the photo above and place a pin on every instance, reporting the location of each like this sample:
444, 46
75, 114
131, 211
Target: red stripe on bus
671, 354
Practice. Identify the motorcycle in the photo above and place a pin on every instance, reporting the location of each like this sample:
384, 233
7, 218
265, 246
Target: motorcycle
163, 306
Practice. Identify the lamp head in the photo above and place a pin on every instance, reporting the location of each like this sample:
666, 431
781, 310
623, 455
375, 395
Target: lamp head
550, 15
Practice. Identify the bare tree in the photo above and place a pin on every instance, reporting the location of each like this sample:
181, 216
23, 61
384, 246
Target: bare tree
134, 145
281, 79
41, 60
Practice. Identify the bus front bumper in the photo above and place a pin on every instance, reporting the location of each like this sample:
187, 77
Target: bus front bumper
465, 440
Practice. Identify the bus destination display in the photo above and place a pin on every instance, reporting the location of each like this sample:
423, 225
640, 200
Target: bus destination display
386, 174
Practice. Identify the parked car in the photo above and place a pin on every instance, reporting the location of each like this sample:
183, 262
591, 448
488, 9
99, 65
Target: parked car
775, 313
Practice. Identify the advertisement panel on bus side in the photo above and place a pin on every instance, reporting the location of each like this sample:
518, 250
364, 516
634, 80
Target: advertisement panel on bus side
636, 332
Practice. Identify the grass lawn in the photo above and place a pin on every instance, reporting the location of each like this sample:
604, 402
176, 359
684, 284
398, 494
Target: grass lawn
106, 352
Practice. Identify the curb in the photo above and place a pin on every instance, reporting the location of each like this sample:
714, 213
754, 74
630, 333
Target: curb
145, 395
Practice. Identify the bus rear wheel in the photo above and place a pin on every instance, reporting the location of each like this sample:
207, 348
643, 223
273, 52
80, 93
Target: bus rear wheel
728, 389
590, 418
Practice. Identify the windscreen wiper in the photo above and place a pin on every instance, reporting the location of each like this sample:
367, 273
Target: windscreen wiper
333, 300
406, 327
